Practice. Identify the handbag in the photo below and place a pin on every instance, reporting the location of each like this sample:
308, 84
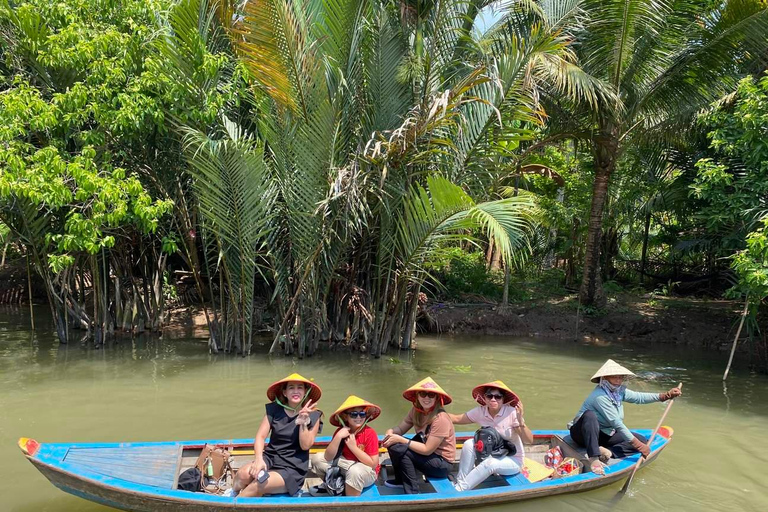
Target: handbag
215, 468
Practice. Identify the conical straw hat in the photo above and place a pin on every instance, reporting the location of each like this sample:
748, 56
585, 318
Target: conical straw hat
372, 411
314, 390
428, 385
509, 396
611, 367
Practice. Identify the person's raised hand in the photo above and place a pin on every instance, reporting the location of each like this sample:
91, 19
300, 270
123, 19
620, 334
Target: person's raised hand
520, 410
303, 417
343, 433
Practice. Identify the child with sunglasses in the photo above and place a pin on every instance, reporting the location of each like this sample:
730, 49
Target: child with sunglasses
502, 410
434, 451
359, 445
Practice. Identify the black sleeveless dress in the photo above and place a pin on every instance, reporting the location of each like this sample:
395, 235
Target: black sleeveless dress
283, 454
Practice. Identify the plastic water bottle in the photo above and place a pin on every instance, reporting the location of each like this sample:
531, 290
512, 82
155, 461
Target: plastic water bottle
209, 468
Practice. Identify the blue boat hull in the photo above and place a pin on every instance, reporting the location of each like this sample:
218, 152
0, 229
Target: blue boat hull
143, 476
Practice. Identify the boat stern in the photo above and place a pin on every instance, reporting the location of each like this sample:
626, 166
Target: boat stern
666, 432
29, 447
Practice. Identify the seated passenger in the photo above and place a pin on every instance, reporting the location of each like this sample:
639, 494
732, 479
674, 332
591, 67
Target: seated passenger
434, 451
291, 423
359, 445
599, 424
502, 410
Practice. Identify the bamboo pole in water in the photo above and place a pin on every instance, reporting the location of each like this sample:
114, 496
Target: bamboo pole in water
29, 287
736, 339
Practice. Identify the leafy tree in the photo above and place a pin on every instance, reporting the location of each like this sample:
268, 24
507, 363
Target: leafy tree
733, 186
76, 103
664, 61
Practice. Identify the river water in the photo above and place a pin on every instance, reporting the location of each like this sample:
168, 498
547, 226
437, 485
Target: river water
158, 390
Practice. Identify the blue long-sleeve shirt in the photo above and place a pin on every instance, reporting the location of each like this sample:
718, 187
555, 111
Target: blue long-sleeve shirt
610, 416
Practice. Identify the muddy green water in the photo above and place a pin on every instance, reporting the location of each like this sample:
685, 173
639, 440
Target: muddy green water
158, 390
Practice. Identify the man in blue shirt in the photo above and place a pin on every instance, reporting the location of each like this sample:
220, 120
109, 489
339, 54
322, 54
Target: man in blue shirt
599, 424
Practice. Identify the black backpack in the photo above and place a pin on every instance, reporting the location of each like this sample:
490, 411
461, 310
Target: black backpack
489, 443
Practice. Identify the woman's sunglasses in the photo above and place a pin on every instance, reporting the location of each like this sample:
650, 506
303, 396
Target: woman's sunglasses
427, 394
491, 396
356, 414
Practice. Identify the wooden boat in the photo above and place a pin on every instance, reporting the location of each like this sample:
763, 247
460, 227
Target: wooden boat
144, 476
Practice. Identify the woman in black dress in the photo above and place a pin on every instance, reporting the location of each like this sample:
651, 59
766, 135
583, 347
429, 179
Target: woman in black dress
291, 423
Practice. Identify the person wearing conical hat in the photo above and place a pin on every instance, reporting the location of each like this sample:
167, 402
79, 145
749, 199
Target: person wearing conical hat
291, 423
355, 443
599, 424
501, 409
433, 449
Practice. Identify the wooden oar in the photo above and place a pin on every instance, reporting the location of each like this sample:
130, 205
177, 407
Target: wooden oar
650, 442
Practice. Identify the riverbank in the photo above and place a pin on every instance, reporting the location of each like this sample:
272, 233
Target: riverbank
627, 318
540, 310
646, 319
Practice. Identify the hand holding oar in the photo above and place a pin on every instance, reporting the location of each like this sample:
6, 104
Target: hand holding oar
650, 442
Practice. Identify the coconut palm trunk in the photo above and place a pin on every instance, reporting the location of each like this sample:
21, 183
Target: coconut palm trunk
606, 152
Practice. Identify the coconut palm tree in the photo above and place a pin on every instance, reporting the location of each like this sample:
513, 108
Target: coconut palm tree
664, 60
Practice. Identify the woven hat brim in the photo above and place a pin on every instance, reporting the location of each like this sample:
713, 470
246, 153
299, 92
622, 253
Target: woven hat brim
371, 413
412, 395
510, 397
314, 390
610, 368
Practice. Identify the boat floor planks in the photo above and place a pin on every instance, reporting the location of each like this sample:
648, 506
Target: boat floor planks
143, 476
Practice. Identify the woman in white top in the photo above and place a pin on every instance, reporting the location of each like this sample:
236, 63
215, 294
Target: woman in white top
501, 409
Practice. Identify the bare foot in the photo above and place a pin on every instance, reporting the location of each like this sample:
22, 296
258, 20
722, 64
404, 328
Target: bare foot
605, 454
597, 467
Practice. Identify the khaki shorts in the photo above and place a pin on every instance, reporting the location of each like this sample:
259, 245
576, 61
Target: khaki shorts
356, 474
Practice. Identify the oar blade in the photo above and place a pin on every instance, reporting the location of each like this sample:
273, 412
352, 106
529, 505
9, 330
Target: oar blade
627, 483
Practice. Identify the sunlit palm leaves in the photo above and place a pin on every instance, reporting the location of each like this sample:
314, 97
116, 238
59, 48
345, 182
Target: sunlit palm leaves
373, 113
234, 194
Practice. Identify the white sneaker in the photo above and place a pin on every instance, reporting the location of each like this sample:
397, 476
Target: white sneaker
229, 493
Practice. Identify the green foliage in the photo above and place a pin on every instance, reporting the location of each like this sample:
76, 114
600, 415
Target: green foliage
734, 187
460, 274
751, 265
79, 100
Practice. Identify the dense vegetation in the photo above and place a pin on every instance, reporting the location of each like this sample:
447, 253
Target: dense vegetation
337, 163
